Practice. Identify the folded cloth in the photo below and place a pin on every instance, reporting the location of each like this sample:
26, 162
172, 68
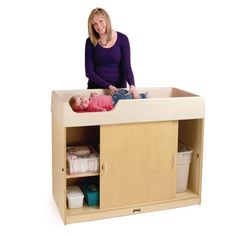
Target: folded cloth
79, 150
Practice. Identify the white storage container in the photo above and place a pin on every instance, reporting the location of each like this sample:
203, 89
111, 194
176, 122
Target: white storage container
182, 171
75, 197
77, 163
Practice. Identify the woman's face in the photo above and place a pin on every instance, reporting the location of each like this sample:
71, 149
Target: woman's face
99, 24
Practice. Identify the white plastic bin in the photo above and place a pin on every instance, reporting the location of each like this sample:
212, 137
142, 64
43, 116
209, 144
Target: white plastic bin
182, 171
75, 197
82, 159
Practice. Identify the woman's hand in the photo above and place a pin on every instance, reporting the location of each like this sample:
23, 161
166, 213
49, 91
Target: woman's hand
112, 89
133, 91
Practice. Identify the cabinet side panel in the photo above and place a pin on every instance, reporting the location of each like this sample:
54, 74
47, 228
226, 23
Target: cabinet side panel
58, 166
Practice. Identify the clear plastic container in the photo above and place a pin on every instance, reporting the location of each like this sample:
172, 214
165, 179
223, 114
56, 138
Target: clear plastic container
77, 163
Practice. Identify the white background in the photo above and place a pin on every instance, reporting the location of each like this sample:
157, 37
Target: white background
186, 44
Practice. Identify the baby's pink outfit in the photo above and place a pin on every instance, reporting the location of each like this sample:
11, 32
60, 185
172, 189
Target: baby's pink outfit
100, 103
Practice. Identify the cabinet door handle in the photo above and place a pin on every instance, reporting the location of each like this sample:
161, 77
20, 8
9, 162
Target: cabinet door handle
173, 161
103, 168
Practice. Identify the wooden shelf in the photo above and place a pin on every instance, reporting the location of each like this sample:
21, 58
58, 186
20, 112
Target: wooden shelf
86, 174
84, 209
187, 195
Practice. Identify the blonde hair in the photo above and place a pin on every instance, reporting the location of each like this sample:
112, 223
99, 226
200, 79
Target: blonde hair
93, 35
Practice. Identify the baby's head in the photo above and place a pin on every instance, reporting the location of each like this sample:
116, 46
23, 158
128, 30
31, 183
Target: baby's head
79, 103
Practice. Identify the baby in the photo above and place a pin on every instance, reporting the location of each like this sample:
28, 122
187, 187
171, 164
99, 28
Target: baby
96, 102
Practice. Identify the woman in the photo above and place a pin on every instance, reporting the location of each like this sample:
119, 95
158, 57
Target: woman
107, 55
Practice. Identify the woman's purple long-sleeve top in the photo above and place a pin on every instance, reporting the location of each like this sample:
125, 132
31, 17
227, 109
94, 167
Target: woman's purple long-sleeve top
109, 66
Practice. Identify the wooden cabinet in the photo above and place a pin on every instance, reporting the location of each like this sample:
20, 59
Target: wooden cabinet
137, 152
